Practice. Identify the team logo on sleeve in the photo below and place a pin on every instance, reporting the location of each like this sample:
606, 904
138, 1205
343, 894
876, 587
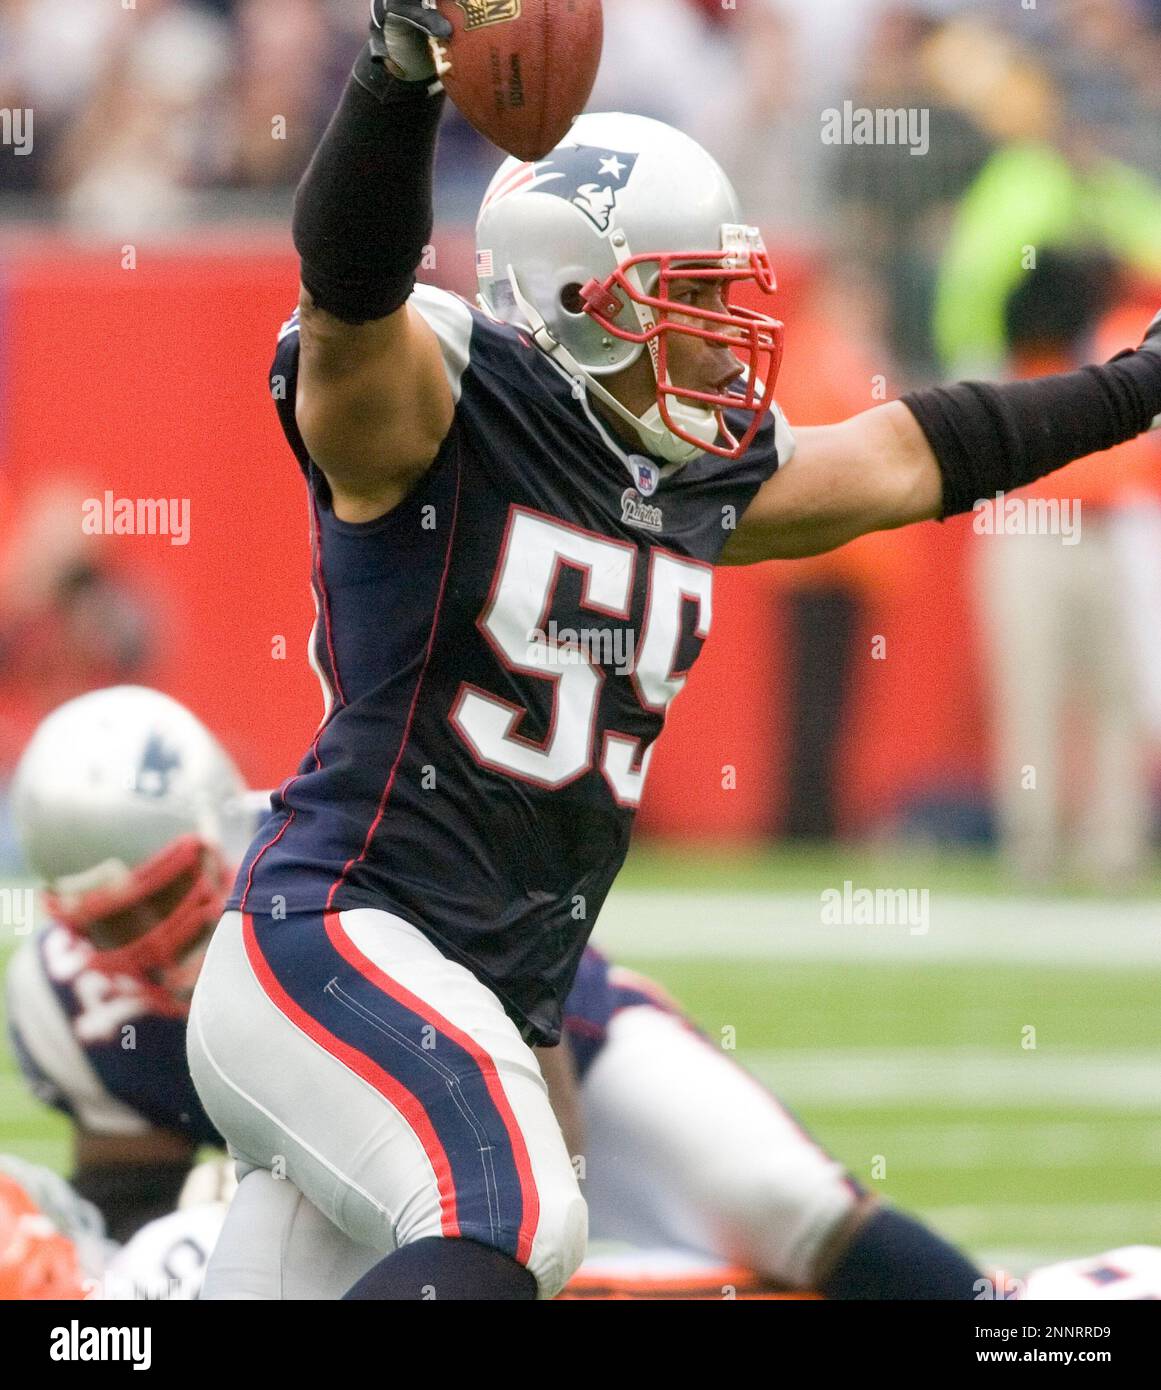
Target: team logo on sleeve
588, 177
481, 13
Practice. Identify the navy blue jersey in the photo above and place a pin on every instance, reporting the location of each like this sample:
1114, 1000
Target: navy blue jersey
92, 1045
497, 655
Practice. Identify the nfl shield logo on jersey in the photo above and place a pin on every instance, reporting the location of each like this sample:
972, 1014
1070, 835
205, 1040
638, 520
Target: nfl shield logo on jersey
647, 476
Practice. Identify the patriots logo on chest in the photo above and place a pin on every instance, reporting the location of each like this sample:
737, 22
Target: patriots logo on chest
587, 176
635, 511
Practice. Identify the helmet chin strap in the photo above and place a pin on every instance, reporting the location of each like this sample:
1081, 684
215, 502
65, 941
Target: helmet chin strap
654, 434
702, 424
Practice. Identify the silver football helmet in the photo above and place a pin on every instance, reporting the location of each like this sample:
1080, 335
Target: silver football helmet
579, 249
119, 794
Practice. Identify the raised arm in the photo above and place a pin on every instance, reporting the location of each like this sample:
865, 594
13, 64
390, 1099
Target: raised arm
936, 453
374, 402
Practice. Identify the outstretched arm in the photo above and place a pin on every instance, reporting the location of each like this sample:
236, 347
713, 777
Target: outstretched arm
873, 472
935, 453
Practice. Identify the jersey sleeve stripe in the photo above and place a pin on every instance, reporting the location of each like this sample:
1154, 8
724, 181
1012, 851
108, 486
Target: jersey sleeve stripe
450, 320
321, 589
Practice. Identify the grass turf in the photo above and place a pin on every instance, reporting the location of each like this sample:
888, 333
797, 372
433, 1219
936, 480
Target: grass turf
916, 1072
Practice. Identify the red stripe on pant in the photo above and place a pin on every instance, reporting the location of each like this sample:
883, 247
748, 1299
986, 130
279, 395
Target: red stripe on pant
388, 1086
530, 1198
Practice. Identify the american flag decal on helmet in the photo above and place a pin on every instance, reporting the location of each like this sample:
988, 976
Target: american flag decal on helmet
485, 265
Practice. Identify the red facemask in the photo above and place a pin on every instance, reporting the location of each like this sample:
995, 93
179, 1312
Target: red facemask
755, 338
155, 958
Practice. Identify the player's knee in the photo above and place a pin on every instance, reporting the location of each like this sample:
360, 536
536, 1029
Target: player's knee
782, 1222
558, 1241
557, 1225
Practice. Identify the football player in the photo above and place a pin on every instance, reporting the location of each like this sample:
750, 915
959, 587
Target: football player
135, 817
116, 791
574, 457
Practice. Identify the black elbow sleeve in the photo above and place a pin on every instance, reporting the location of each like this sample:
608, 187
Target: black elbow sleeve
991, 439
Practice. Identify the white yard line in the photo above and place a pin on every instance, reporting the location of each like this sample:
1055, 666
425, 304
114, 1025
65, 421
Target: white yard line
936, 1140
648, 924
1067, 1225
958, 1077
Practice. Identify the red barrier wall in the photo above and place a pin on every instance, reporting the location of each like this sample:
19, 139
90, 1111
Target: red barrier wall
151, 382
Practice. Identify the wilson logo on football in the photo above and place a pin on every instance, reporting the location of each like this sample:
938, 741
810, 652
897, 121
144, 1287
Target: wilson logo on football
483, 12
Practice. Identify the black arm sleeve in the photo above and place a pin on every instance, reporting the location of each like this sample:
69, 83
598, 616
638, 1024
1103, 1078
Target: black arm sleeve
129, 1195
989, 439
363, 211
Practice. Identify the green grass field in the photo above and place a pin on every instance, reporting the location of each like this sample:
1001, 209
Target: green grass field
906, 1050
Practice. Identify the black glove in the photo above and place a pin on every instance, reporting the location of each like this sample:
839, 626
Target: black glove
401, 34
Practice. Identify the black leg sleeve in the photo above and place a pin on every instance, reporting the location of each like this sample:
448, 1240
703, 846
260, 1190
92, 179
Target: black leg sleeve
448, 1270
363, 211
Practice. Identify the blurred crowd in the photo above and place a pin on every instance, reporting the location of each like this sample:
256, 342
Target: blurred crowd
152, 114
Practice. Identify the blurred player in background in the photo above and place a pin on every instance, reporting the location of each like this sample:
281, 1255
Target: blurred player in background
410, 920
1056, 626
53, 1246
134, 816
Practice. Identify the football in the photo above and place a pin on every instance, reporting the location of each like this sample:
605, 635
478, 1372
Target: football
521, 70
